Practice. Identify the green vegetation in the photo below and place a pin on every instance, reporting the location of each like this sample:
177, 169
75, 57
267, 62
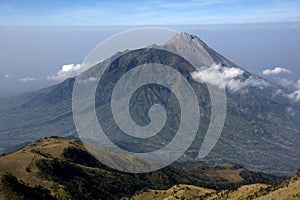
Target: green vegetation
15, 189
285, 190
67, 170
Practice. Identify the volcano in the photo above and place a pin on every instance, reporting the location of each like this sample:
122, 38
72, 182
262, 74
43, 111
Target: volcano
261, 130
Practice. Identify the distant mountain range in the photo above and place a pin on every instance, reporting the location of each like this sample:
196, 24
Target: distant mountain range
261, 131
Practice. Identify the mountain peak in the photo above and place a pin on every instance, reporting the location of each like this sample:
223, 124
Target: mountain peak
186, 37
194, 50
197, 52
191, 48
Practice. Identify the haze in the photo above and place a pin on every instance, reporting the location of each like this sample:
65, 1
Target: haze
40, 40
28, 55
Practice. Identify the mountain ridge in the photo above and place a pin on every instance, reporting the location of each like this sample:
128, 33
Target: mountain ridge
57, 168
285, 190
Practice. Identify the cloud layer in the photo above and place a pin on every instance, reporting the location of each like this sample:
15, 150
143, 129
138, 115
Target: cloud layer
27, 78
285, 82
295, 96
229, 77
276, 70
66, 71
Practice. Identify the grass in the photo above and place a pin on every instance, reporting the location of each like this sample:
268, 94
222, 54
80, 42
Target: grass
180, 191
285, 190
67, 169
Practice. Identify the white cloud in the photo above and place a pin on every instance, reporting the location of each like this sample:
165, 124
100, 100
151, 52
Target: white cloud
66, 71
91, 79
209, 75
295, 96
285, 82
27, 78
6, 76
238, 84
229, 73
276, 70
226, 77
291, 111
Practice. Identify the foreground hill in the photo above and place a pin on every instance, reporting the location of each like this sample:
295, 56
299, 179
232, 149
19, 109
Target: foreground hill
57, 168
285, 190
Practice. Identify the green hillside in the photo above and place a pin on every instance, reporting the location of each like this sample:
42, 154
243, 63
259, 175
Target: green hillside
57, 168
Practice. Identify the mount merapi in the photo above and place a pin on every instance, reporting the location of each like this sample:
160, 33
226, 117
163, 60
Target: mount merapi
262, 126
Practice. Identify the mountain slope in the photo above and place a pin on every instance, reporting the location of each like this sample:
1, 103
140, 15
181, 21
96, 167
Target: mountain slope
261, 132
34, 115
286, 190
59, 168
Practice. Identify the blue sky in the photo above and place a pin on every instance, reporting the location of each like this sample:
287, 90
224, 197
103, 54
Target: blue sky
156, 12
38, 37
31, 54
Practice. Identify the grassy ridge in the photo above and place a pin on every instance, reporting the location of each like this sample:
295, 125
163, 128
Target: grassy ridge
285, 190
64, 169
